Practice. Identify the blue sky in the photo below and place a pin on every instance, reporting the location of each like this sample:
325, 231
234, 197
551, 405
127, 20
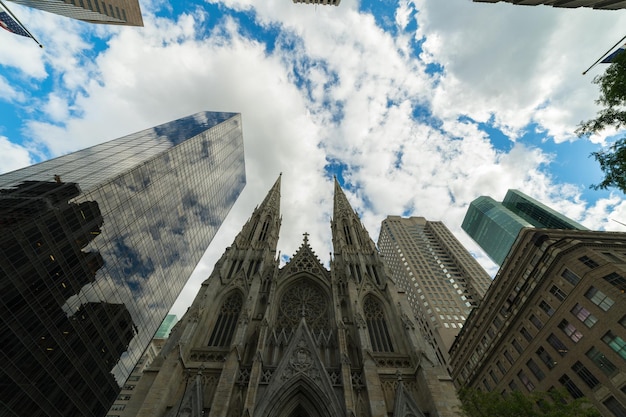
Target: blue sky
418, 106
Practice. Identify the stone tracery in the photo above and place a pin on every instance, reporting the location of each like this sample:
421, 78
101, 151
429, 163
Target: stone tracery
303, 299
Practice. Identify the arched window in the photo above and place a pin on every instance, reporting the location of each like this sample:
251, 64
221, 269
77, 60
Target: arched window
264, 229
346, 232
377, 325
253, 229
356, 227
227, 321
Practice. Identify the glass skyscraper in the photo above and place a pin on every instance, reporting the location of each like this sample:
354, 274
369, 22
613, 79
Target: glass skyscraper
495, 226
95, 247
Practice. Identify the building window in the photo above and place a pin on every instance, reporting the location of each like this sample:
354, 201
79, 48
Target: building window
584, 374
501, 367
616, 280
123, 397
513, 386
517, 346
536, 322
134, 378
534, 368
547, 308
588, 262
584, 315
526, 334
526, 381
570, 331
128, 387
558, 293
545, 357
616, 343
486, 384
599, 298
570, 386
570, 277
615, 407
508, 357
556, 343
377, 325
601, 361
494, 377
226, 321
117, 407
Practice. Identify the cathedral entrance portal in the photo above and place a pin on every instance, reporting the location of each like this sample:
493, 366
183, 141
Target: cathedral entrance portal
299, 398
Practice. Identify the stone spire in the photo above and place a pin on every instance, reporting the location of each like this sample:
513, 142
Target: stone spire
347, 229
261, 229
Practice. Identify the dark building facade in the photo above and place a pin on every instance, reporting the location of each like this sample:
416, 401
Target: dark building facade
554, 317
95, 246
494, 225
261, 340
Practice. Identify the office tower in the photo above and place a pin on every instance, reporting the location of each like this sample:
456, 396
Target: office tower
297, 340
596, 4
442, 280
110, 12
95, 246
494, 226
335, 2
554, 316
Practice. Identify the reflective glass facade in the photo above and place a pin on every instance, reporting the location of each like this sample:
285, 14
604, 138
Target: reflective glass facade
538, 214
495, 226
95, 247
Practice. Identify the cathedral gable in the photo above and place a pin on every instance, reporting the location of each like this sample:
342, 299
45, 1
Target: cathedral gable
305, 260
300, 378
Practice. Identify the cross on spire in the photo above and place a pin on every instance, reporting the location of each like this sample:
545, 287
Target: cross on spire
306, 237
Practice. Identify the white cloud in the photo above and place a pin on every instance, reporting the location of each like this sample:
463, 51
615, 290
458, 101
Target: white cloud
520, 66
519, 63
12, 156
8, 92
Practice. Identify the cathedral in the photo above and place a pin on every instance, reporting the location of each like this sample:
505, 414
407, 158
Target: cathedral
300, 340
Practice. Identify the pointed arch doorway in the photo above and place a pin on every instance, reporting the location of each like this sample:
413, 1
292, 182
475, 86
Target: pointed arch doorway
300, 397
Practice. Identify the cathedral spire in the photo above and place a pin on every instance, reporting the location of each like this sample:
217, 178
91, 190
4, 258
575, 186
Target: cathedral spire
263, 226
341, 206
348, 232
271, 202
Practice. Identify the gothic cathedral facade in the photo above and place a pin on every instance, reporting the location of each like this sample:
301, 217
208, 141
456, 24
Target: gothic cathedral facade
298, 341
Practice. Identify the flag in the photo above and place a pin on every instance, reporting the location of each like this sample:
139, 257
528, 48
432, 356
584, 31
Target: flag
7, 23
615, 53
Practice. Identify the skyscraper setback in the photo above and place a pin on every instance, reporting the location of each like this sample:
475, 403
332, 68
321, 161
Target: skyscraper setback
495, 226
442, 280
95, 246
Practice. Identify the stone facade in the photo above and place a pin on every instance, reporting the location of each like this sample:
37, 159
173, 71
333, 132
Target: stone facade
301, 340
554, 317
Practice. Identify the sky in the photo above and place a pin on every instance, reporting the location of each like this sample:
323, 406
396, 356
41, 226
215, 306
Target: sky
417, 106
